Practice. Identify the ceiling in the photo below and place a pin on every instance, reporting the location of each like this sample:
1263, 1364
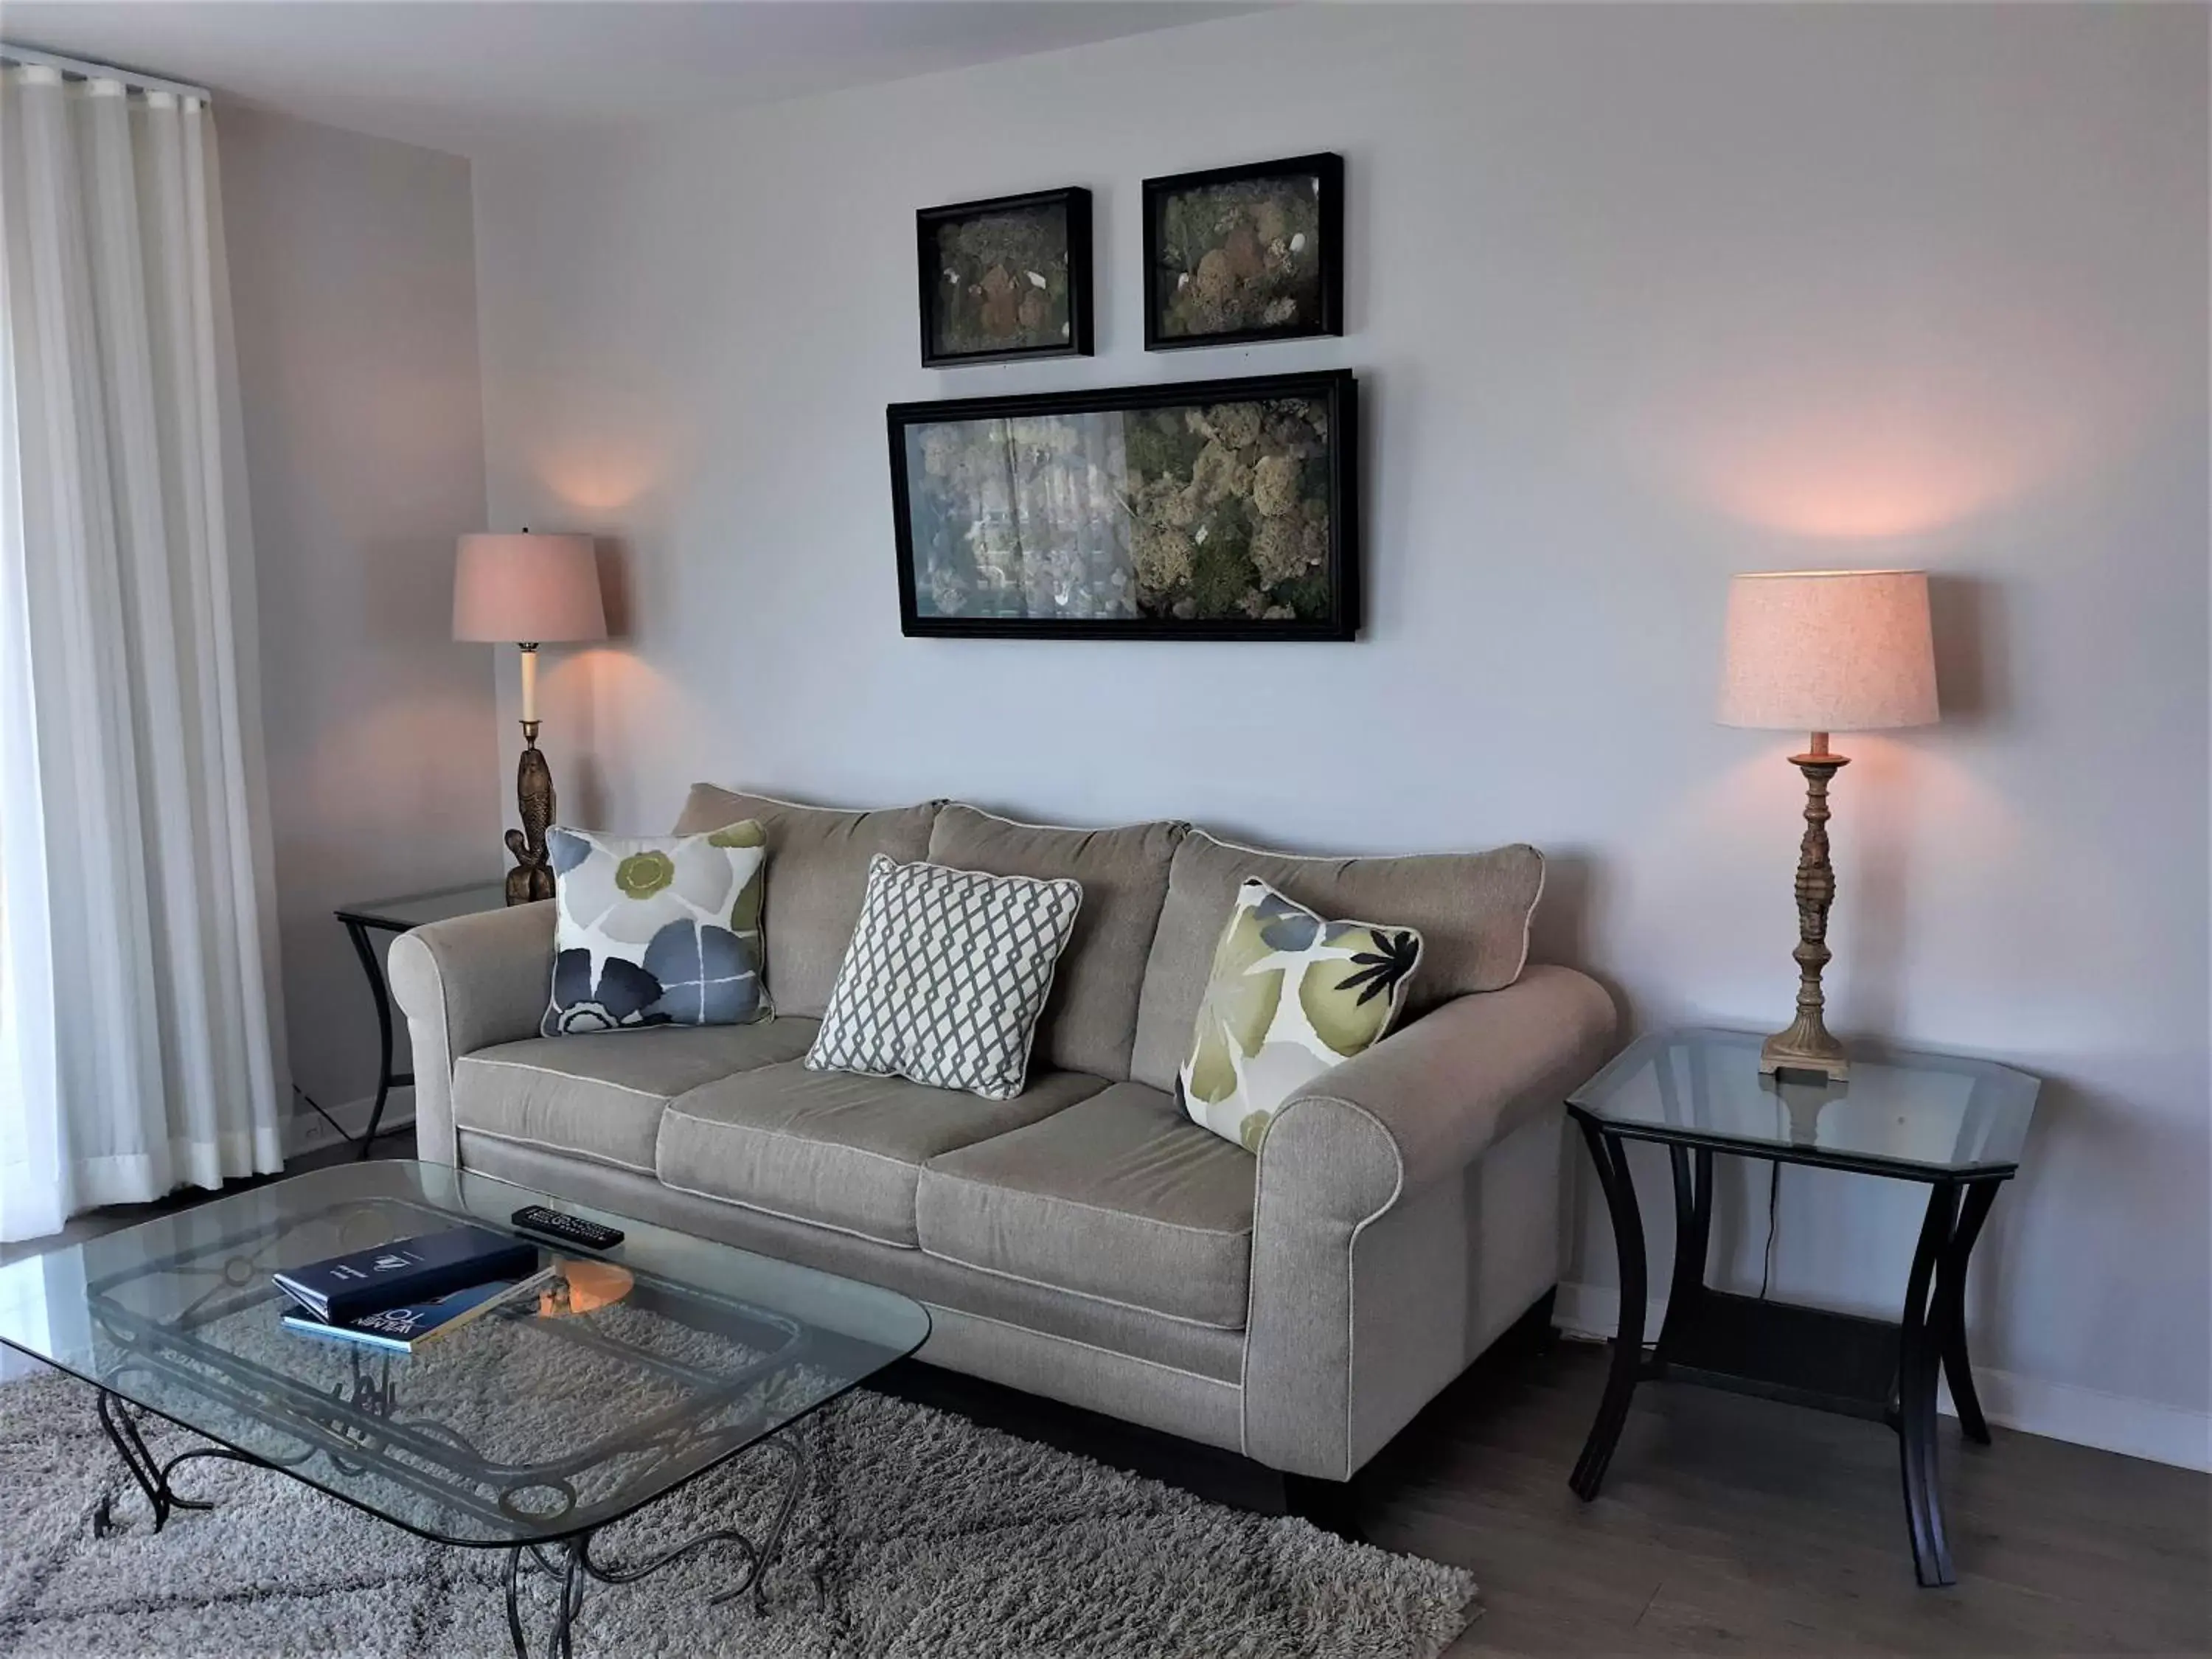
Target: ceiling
468, 76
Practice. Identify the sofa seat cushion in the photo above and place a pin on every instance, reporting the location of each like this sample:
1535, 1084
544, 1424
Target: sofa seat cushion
601, 1097
1120, 1197
835, 1148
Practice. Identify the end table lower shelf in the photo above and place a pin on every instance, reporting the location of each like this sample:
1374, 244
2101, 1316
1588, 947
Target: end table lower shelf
1831, 1361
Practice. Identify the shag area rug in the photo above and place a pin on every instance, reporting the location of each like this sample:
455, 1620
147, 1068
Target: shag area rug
920, 1534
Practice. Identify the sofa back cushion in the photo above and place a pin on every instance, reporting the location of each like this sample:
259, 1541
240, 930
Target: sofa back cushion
818, 874
1472, 910
1091, 1023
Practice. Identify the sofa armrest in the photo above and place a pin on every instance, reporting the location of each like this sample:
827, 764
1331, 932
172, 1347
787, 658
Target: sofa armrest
1427, 1101
464, 985
1368, 1183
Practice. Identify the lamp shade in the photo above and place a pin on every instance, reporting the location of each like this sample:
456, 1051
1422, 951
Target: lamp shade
527, 589
1829, 651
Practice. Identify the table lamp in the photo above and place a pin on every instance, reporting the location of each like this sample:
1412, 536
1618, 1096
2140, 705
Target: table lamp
528, 589
1824, 650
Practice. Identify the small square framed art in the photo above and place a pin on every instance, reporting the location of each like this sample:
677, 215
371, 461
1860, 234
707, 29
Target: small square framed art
1238, 255
1005, 279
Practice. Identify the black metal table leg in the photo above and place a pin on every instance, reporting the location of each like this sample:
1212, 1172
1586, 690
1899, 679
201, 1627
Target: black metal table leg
1694, 1230
1919, 1354
575, 1568
569, 1571
386, 1078
1612, 1160
129, 1446
152, 1477
1951, 1308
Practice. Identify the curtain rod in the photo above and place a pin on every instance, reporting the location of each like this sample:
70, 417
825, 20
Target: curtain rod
14, 54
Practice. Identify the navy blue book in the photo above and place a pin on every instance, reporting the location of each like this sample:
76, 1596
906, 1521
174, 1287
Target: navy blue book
406, 1327
347, 1287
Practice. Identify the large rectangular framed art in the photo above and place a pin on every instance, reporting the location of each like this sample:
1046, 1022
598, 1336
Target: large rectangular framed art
1202, 510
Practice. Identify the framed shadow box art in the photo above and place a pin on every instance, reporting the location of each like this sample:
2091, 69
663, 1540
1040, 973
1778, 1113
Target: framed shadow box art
1209, 510
1005, 279
1243, 254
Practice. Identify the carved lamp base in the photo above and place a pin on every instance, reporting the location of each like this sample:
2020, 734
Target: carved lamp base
1805, 1045
533, 877
1804, 1048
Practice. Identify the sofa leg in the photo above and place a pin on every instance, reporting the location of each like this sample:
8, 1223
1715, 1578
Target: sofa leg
1534, 1331
1332, 1505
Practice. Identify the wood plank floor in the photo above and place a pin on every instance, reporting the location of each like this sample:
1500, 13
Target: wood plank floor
1727, 1526
1731, 1525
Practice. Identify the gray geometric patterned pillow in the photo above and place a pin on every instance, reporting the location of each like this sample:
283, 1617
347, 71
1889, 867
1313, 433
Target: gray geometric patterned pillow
946, 977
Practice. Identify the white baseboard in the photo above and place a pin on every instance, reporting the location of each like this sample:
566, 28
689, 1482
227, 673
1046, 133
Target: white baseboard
305, 1130
2061, 1411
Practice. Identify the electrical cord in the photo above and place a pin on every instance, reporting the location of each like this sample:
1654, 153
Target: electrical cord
349, 1139
1773, 1197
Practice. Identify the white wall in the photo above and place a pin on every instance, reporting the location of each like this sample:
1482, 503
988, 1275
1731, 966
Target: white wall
1639, 297
353, 283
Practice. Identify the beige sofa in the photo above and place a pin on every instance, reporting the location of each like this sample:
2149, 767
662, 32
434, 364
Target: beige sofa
1085, 1240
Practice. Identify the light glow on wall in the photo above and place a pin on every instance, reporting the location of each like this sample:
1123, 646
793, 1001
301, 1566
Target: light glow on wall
632, 709
406, 743
1853, 477
1900, 423
620, 452
603, 477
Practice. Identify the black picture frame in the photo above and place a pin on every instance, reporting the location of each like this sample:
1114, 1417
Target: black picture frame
1074, 202
1335, 390
1160, 273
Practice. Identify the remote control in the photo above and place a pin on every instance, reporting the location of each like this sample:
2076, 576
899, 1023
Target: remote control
568, 1229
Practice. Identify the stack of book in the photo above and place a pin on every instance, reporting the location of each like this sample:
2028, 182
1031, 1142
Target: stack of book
412, 1291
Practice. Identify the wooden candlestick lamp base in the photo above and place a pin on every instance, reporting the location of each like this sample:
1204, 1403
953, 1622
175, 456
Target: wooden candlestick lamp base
1806, 1046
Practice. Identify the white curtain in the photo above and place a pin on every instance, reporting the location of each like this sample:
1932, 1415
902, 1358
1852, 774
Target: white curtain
137, 960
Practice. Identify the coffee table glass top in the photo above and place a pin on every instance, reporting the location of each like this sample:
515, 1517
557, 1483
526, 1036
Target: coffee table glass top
652, 1362
1925, 1115
420, 909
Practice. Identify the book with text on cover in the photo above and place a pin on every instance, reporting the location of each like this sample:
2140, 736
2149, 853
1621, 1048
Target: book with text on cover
407, 1270
405, 1328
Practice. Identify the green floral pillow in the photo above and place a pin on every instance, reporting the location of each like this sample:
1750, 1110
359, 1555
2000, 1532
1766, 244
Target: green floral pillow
1290, 995
656, 931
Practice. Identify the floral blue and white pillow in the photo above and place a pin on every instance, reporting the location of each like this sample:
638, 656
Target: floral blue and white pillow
656, 931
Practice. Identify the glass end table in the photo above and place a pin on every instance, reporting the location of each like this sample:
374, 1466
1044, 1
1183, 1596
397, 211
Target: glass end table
1956, 1125
528, 1430
399, 915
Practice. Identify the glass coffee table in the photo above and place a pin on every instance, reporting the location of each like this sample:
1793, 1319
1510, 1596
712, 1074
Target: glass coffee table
526, 1430
1956, 1125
